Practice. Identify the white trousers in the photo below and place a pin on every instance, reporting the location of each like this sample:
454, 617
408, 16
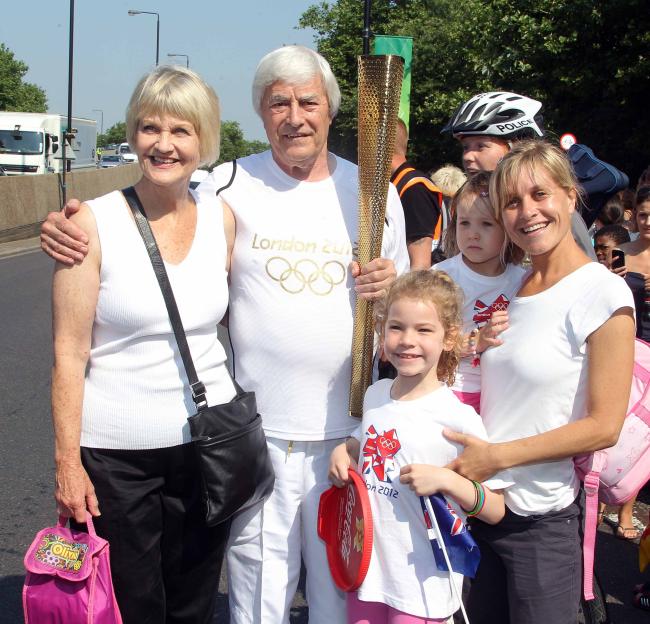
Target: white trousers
266, 544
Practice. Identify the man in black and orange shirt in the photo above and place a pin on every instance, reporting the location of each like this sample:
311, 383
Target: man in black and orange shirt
421, 201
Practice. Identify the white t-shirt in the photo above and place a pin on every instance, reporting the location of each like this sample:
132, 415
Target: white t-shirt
484, 295
291, 296
537, 380
136, 393
402, 570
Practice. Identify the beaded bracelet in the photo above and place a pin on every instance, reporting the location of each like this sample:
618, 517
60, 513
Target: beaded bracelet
479, 501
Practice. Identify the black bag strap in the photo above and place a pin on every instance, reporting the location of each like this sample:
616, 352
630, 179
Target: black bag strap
197, 387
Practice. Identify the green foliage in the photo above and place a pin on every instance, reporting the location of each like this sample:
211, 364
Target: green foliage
16, 95
234, 145
588, 61
115, 134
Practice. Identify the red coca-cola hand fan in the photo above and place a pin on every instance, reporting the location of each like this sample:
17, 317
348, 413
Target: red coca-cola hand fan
345, 525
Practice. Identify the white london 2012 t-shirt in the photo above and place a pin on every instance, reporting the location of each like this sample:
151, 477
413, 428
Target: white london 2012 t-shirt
291, 296
536, 380
393, 434
483, 295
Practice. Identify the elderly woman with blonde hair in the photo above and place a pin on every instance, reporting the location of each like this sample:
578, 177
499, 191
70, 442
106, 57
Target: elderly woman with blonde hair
120, 400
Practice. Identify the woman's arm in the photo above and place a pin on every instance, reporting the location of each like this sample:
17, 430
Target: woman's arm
426, 480
610, 353
74, 298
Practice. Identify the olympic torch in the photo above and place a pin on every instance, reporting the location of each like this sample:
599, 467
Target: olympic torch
380, 84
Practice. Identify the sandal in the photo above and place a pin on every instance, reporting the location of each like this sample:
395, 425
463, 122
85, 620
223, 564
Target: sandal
629, 534
642, 601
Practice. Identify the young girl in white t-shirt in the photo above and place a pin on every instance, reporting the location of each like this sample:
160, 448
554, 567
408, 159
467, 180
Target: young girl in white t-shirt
487, 269
401, 452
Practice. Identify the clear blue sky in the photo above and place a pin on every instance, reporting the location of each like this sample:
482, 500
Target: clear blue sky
223, 38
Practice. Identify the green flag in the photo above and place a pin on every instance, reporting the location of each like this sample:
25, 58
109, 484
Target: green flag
402, 46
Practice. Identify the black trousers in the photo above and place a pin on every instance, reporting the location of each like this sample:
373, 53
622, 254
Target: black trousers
165, 561
530, 570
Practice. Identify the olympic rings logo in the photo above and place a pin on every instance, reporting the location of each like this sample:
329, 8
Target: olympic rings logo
305, 273
389, 445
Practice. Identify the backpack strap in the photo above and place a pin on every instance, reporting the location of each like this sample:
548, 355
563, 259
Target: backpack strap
591, 484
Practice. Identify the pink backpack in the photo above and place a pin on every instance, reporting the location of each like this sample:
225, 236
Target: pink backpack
616, 474
69, 578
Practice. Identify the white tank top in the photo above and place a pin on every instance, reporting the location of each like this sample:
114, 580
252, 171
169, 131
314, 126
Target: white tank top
136, 392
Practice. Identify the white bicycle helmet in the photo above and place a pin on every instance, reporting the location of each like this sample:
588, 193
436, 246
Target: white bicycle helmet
498, 113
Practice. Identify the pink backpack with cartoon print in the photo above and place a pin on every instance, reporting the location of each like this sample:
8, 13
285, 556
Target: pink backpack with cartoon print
69, 578
616, 474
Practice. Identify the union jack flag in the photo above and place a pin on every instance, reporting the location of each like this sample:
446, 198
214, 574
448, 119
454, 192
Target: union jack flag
483, 311
462, 550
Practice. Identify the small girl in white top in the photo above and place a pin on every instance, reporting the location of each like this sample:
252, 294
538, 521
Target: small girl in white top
400, 447
485, 266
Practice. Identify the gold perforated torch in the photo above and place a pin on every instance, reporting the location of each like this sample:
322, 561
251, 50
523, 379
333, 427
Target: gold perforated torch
380, 84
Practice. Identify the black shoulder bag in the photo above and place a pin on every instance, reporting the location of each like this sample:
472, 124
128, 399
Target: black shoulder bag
236, 470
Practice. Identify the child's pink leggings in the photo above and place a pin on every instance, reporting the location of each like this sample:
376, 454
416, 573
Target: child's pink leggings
360, 612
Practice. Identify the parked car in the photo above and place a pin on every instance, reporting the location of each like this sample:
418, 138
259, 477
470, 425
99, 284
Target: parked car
125, 152
110, 160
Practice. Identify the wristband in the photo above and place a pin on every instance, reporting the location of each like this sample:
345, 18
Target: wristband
479, 501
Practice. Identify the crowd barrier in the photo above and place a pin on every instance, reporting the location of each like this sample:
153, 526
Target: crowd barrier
25, 200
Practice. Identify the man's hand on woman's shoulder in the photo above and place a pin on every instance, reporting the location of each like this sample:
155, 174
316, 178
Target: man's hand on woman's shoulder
61, 239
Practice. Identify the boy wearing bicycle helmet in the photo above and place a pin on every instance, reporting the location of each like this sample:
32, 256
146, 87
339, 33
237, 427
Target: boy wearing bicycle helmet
487, 124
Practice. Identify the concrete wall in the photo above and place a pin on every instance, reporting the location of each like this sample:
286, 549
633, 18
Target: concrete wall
25, 200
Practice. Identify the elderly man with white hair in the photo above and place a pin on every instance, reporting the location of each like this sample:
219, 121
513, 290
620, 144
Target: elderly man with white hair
292, 290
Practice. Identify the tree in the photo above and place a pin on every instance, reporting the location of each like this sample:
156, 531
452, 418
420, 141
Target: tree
16, 95
115, 134
234, 145
587, 61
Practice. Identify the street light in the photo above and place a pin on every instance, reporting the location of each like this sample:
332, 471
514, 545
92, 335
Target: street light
101, 123
134, 12
67, 136
187, 59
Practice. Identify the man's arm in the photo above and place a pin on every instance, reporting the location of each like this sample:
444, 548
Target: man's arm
67, 243
421, 215
420, 252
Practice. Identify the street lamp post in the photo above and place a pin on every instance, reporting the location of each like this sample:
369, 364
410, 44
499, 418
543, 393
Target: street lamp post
67, 135
101, 123
187, 59
135, 12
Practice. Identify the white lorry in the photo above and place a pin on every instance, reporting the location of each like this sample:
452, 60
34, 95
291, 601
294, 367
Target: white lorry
32, 143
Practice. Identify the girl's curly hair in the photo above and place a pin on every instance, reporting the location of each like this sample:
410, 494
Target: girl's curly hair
438, 288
